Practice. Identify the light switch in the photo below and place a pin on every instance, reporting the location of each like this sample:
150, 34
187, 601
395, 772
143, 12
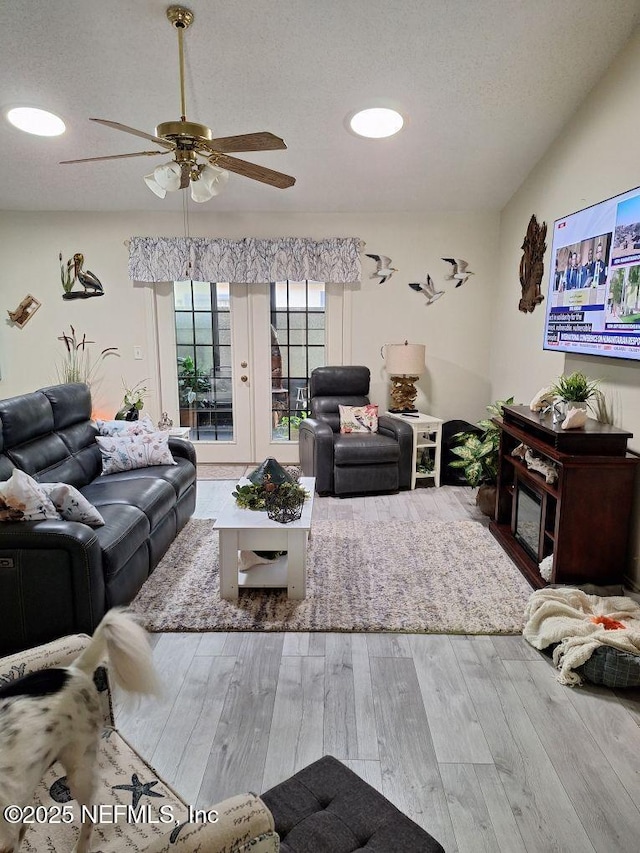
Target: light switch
137, 353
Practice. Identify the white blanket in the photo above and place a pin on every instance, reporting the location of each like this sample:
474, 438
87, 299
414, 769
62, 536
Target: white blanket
566, 616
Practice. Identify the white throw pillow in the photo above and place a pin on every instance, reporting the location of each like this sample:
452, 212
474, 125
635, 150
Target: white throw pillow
71, 504
142, 425
23, 499
127, 452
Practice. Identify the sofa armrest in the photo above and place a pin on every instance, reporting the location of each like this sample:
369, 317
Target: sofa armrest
58, 653
403, 434
243, 825
182, 447
51, 581
315, 444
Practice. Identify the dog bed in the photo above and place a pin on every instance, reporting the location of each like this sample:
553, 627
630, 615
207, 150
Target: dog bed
589, 636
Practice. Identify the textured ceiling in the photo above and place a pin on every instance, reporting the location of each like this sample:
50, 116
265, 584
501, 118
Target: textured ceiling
485, 85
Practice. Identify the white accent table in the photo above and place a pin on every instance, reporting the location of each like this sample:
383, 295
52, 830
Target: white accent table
427, 432
180, 432
248, 530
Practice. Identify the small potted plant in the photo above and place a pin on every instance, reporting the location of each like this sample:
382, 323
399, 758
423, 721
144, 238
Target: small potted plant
192, 381
479, 457
284, 502
575, 390
133, 402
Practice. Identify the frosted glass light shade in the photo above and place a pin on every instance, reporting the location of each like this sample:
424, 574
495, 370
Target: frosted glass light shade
163, 179
211, 181
404, 359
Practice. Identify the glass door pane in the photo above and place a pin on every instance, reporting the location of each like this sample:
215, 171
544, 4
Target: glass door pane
297, 346
203, 350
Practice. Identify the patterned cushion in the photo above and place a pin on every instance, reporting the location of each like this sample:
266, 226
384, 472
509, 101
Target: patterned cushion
23, 499
110, 428
72, 505
126, 452
358, 418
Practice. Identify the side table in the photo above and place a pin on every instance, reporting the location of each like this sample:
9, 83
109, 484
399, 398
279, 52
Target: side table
180, 432
427, 433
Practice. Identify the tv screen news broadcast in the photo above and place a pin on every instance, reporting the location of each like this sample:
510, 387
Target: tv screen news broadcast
593, 304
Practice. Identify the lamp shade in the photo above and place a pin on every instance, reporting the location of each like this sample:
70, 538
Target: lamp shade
404, 359
210, 182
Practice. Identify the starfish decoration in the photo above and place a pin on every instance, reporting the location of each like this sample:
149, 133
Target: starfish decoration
138, 789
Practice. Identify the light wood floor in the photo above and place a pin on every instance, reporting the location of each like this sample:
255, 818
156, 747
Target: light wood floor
472, 737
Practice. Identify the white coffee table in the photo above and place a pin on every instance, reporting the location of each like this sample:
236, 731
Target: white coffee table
248, 530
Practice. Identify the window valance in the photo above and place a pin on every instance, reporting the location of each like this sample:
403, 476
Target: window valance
251, 260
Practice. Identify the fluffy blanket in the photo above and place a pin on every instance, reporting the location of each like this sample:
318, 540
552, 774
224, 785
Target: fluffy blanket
580, 623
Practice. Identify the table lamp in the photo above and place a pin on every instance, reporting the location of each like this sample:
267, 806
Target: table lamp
404, 364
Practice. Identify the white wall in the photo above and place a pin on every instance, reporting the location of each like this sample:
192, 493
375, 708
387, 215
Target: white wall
455, 329
594, 159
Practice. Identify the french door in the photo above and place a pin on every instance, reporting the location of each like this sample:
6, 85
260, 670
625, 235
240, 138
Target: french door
234, 361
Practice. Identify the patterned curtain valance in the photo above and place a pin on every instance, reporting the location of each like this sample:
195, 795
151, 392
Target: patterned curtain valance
250, 260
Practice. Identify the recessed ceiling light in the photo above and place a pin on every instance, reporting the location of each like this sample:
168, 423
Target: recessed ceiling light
376, 123
40, 122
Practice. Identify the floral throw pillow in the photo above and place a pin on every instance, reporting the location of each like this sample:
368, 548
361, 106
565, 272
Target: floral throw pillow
24, 499
359, 418
127, 452
139, 427
71, 504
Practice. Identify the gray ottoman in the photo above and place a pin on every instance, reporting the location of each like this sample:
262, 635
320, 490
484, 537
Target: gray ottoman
326, 808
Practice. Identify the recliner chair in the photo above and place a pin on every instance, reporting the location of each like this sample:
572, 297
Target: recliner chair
354, 463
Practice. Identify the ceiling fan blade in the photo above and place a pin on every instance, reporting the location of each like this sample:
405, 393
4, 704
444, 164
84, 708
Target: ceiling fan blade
252, 170
263, 141
117, 126
113, 157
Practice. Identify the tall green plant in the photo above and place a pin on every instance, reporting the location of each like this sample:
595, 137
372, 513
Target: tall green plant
479, 452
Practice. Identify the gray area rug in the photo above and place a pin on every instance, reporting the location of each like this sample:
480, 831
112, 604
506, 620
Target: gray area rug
443, 577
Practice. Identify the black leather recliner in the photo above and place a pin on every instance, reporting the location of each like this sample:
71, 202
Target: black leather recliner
356, 463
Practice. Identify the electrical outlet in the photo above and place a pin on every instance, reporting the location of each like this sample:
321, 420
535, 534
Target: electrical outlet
137, 353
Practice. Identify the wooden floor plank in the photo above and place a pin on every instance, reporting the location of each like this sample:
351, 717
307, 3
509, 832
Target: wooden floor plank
613, 729
389, 645
543, 812
212, 643
456, 733
189, 772
143, 724
317, 643
503, 822
296, 735
469, 814
340, 731
363, 698
606, 810
237, 756
410, 775
296, 643
514, 648
367, 770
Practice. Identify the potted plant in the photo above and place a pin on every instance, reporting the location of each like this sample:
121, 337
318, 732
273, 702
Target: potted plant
479, 457
133, 402
289, 426
576, 390
192, 381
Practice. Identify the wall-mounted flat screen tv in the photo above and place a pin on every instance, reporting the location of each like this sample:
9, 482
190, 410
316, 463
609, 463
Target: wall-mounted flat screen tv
593, 303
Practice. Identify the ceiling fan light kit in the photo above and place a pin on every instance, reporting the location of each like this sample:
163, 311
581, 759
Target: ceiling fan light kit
188, 140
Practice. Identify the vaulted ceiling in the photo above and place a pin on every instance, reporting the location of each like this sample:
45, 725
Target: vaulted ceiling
485, 87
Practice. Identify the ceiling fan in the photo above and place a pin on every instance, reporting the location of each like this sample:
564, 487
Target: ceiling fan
188, 140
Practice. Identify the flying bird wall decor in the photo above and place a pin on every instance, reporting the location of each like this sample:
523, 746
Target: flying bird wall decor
428, 288
384, 270
459, 271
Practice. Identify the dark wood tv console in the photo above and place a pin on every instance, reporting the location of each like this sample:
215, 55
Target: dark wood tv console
583, 519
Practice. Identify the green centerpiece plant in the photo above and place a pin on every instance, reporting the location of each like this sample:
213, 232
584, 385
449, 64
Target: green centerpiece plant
575, 388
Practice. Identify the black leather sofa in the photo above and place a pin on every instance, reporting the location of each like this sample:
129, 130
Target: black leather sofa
357, 463
60, 577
